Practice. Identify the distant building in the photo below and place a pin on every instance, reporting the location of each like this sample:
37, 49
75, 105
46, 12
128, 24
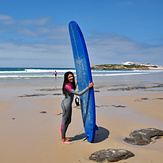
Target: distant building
148, 64
127, 63
137, 64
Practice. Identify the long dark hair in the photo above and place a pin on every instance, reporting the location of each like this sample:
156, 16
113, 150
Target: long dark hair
66, 81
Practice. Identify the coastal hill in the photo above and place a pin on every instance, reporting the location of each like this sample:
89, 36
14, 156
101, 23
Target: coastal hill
119, 67
125, 67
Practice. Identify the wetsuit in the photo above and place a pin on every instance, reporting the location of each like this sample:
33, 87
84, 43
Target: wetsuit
67, 107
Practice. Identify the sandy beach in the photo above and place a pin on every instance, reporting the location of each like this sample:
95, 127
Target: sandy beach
30, 124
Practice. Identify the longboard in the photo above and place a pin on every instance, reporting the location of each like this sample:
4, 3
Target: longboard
83, 72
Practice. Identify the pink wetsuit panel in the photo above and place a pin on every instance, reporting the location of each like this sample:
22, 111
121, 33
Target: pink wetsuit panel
61, 130
68, 86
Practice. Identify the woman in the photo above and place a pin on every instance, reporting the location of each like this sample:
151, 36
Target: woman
68, 89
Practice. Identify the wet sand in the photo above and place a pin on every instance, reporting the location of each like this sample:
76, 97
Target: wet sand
30, 126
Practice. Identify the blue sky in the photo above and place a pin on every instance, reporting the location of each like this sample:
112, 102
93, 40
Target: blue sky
34, 33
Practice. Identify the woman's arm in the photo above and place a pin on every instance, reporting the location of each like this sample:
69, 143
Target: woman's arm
78, 93
81, 92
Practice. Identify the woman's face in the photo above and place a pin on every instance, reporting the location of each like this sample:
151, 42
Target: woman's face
70, 78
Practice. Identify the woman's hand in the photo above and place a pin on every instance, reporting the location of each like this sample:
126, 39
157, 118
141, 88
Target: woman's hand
90, 84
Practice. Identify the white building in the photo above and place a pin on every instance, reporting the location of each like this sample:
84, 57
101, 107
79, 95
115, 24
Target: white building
128, 63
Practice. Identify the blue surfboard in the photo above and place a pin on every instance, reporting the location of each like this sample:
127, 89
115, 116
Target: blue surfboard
83, 72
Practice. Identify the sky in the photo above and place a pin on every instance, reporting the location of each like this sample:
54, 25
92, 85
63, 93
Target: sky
34, 33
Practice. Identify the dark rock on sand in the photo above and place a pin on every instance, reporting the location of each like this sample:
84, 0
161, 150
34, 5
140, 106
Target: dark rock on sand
119, 106
157, 86
49, 89
43, 112
96, 91
101, 106
158, 98
142, 99
57, 94
127, 88
135, 88
32, 95
143, 136
111, 155
116, 106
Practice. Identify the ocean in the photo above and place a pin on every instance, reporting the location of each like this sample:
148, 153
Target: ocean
27, 73
111, 78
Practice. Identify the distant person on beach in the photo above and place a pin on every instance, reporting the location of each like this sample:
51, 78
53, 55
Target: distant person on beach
68, 89
55, 73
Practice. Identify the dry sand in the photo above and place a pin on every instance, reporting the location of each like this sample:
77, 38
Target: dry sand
29, 136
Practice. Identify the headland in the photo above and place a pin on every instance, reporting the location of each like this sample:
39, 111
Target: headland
125, 67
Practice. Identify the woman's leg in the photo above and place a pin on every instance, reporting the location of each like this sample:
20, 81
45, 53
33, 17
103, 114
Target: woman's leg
66, 120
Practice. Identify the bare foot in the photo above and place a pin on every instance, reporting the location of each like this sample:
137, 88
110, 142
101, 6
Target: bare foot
65, 141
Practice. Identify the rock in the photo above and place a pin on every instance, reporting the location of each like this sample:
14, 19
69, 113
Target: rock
134, 88
111, 155
57, 94
157, 86
142, 99
116, 106
119, 106
158, 98
143, 136
43, 112
103, 105
96, 91
32, 95
49, 89
127, 88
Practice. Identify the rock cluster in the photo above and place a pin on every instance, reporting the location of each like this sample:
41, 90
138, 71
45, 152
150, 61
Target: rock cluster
143, 136
137, 137
134, 88
111, 155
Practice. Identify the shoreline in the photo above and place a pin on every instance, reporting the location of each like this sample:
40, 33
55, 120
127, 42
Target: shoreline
30, 126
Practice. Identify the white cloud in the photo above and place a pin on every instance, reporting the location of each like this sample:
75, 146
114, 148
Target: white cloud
44, 44
102, 50
36, 54
51, 32
58, 32
34, 30
5, 19
116, 49
25, 32
38, 21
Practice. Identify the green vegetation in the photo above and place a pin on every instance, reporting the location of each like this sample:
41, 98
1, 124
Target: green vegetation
134, 66
109, 65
